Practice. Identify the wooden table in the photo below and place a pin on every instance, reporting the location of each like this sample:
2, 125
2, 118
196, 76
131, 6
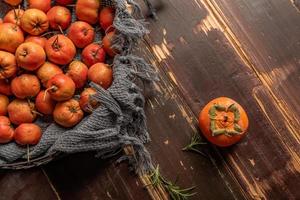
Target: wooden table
202, 49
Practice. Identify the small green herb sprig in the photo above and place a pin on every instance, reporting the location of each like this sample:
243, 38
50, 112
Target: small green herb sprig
175, 192
192, 146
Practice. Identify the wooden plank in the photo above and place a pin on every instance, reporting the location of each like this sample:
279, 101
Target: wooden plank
82, 176
267, 33
26, 185
205, 61
171, 125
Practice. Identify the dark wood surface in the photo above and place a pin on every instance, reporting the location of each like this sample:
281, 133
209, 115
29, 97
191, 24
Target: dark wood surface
205, 58
30, 184
202, 49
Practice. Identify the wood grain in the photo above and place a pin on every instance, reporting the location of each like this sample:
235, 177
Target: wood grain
268, 36
271, 46
82, 176
171, 125
25, 185
205, 60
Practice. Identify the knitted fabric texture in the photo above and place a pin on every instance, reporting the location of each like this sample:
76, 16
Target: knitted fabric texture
119, 121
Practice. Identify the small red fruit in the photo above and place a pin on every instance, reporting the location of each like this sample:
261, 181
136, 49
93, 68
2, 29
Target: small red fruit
81, 33
78, 72
106, 17
61, 87
6, 130
28, 134
85, 100
25, 86
47, 71
34, 21
87, 10
5, 87
11, 36
4, 120
30, 56
60, 49
14, 16
107, 44
43, 5
44, 104
21, 111
8, 65
37, 40
13, 2
101, 74
68, 113
4, 101
59, 17
92, 54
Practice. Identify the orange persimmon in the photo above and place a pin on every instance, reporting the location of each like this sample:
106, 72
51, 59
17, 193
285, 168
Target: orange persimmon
223, 121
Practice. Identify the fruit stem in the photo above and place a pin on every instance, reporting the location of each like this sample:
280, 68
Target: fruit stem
49, 32
53, 87
60, 29
23, 53
28, 102
38, 113
97, 51
16, 16
225, 118
55, 43
85, 31
73, 109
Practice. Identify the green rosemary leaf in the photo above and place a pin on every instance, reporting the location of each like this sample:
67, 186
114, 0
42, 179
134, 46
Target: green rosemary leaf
195, 141
175, 192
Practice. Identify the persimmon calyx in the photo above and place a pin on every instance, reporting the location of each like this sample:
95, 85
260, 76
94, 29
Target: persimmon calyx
224, 120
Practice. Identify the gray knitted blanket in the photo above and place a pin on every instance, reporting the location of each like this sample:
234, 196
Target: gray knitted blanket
119, 121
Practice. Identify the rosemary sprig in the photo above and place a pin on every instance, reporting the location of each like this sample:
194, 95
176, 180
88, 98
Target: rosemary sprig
195, 141
175, 192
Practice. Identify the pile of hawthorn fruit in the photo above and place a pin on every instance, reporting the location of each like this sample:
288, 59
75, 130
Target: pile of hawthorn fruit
39, 74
